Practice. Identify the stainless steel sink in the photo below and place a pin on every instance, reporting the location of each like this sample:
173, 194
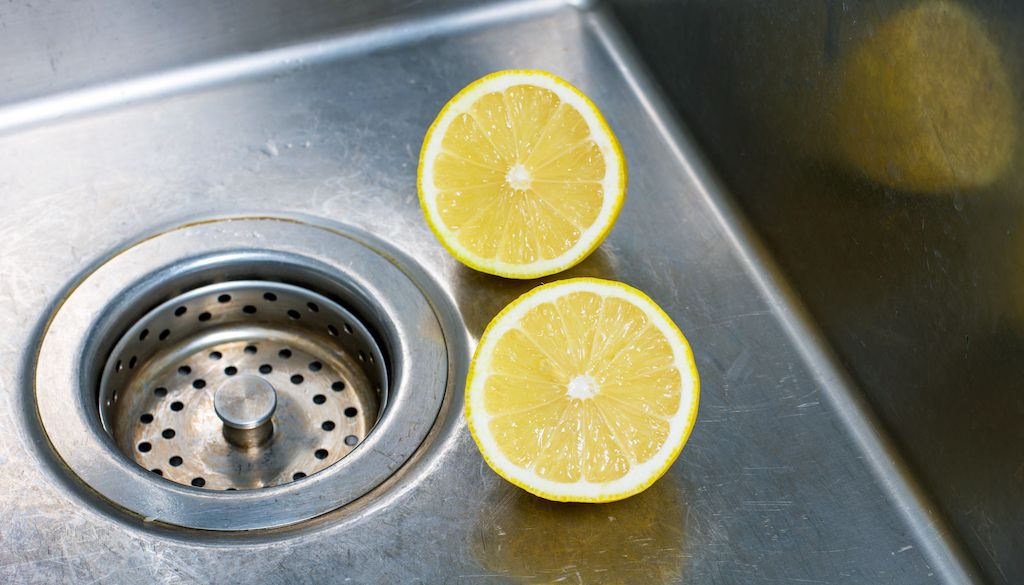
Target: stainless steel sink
123, 121
916, 288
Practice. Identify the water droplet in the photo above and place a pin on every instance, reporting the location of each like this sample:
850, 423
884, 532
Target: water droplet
958, 202
269, 149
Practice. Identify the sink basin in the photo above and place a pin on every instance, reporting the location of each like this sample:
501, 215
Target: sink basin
913, 280
121, 121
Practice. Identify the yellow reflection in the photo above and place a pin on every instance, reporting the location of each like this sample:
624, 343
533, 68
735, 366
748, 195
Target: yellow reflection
535, 541
925, 104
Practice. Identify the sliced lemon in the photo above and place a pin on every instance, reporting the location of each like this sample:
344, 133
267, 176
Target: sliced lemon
582, 390
520, 175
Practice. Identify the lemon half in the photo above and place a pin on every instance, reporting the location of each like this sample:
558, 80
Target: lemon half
520, 175
582, 390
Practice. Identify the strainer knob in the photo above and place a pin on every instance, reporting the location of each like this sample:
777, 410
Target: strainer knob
245, 404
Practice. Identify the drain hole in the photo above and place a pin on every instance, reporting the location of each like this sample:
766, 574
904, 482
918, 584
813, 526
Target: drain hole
249, 309
132, 362
204, 316
168, 433
250, 349
298, 475
177, 406
338, 386
146, 418
145, 447
159, 472
332, 330
297, 379
230, 370
351, 412
313, 366
118, 367
313, 307
319, 399
224, 298
284, 354
216, 355
327, 425
180, 311
175, 461
184, 370
199, 384
198, 481
231, 489
144, 334
164, 334
266, 369
294, 314
270, 296
161, 392
320, 454
348, 329
351, 440
362, 356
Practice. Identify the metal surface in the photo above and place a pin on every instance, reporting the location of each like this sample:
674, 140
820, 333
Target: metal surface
246, 327
913, 277
785, 479
215, 363
245, 406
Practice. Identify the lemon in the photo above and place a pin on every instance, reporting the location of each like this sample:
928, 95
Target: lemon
520, 176
582, 390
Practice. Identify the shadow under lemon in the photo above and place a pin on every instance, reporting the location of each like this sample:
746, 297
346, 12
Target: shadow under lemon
481, 296
535, 541
925, 104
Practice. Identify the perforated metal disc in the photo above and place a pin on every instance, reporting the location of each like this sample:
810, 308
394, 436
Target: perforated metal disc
160, 381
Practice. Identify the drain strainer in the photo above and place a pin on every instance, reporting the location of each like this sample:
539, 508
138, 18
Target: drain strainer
242, 385
240, 374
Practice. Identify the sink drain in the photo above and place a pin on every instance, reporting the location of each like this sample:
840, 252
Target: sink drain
242, 385
240, 374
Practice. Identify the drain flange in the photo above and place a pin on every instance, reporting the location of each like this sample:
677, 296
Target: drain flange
334, 355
